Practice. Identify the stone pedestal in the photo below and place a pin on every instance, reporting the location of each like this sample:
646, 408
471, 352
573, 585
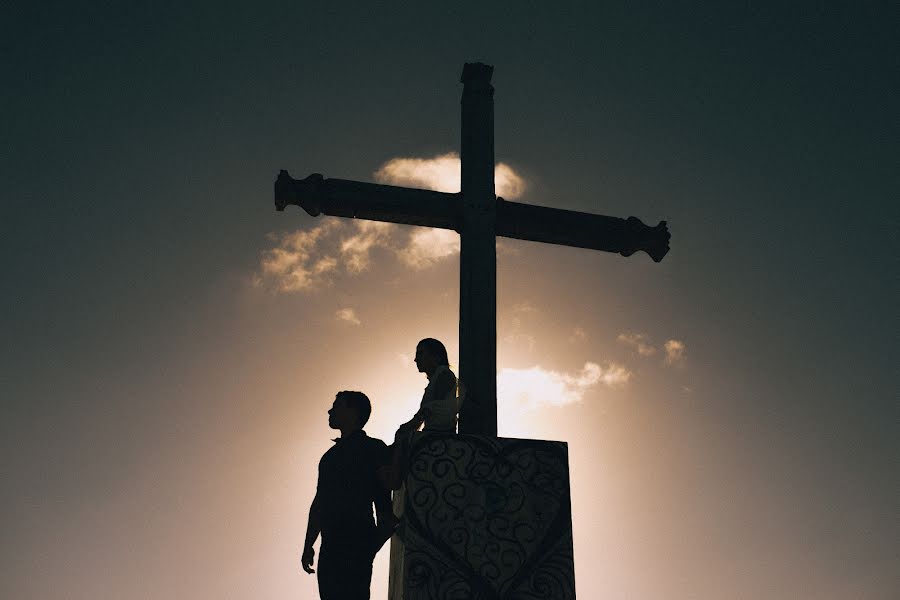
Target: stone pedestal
483, 518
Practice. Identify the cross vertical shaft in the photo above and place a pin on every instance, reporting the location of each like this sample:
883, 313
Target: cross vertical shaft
479, 216
478, 255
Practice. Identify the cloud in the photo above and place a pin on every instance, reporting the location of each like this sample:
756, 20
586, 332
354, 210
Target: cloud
426, 246
518, 311
348, 315
578, 335
299, 261
536, 387
675, 350
518, 336
524, 307
521, 341
638, 342
355, 249
306, 260
441, 173
508, 183
508, 247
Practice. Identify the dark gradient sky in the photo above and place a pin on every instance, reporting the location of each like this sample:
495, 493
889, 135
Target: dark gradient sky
156, 434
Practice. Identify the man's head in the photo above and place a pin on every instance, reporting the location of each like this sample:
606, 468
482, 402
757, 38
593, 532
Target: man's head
350, 411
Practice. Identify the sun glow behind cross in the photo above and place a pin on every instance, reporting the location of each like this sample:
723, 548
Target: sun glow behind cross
523, 395
534, 400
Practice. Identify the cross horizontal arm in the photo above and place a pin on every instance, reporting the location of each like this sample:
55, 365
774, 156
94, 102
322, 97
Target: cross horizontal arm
582, 230
343, 198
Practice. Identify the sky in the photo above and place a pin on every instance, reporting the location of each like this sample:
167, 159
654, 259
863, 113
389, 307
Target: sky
171, 343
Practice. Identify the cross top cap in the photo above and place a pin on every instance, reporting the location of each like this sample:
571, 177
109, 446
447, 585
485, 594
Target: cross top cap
479, 72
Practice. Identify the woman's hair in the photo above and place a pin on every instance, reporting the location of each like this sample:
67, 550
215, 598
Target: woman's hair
436, 348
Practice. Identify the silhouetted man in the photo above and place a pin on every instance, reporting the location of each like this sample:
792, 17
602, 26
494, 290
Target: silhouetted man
342, 509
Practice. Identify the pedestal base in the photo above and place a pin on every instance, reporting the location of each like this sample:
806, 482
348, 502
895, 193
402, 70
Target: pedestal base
483, 518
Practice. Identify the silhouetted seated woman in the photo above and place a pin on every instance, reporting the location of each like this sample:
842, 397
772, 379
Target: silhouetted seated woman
437, 411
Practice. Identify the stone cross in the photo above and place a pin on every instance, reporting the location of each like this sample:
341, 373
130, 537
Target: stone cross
478, 215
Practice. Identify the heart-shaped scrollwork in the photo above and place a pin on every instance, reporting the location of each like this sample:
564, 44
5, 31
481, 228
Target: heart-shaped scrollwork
488, 518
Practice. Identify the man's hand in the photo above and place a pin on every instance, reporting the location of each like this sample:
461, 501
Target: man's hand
307, 559
388, 523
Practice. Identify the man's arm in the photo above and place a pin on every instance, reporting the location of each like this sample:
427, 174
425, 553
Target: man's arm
384, 513
313, 528
383, 534
387, 521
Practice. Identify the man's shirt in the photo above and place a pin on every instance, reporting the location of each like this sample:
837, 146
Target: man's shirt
348, 485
